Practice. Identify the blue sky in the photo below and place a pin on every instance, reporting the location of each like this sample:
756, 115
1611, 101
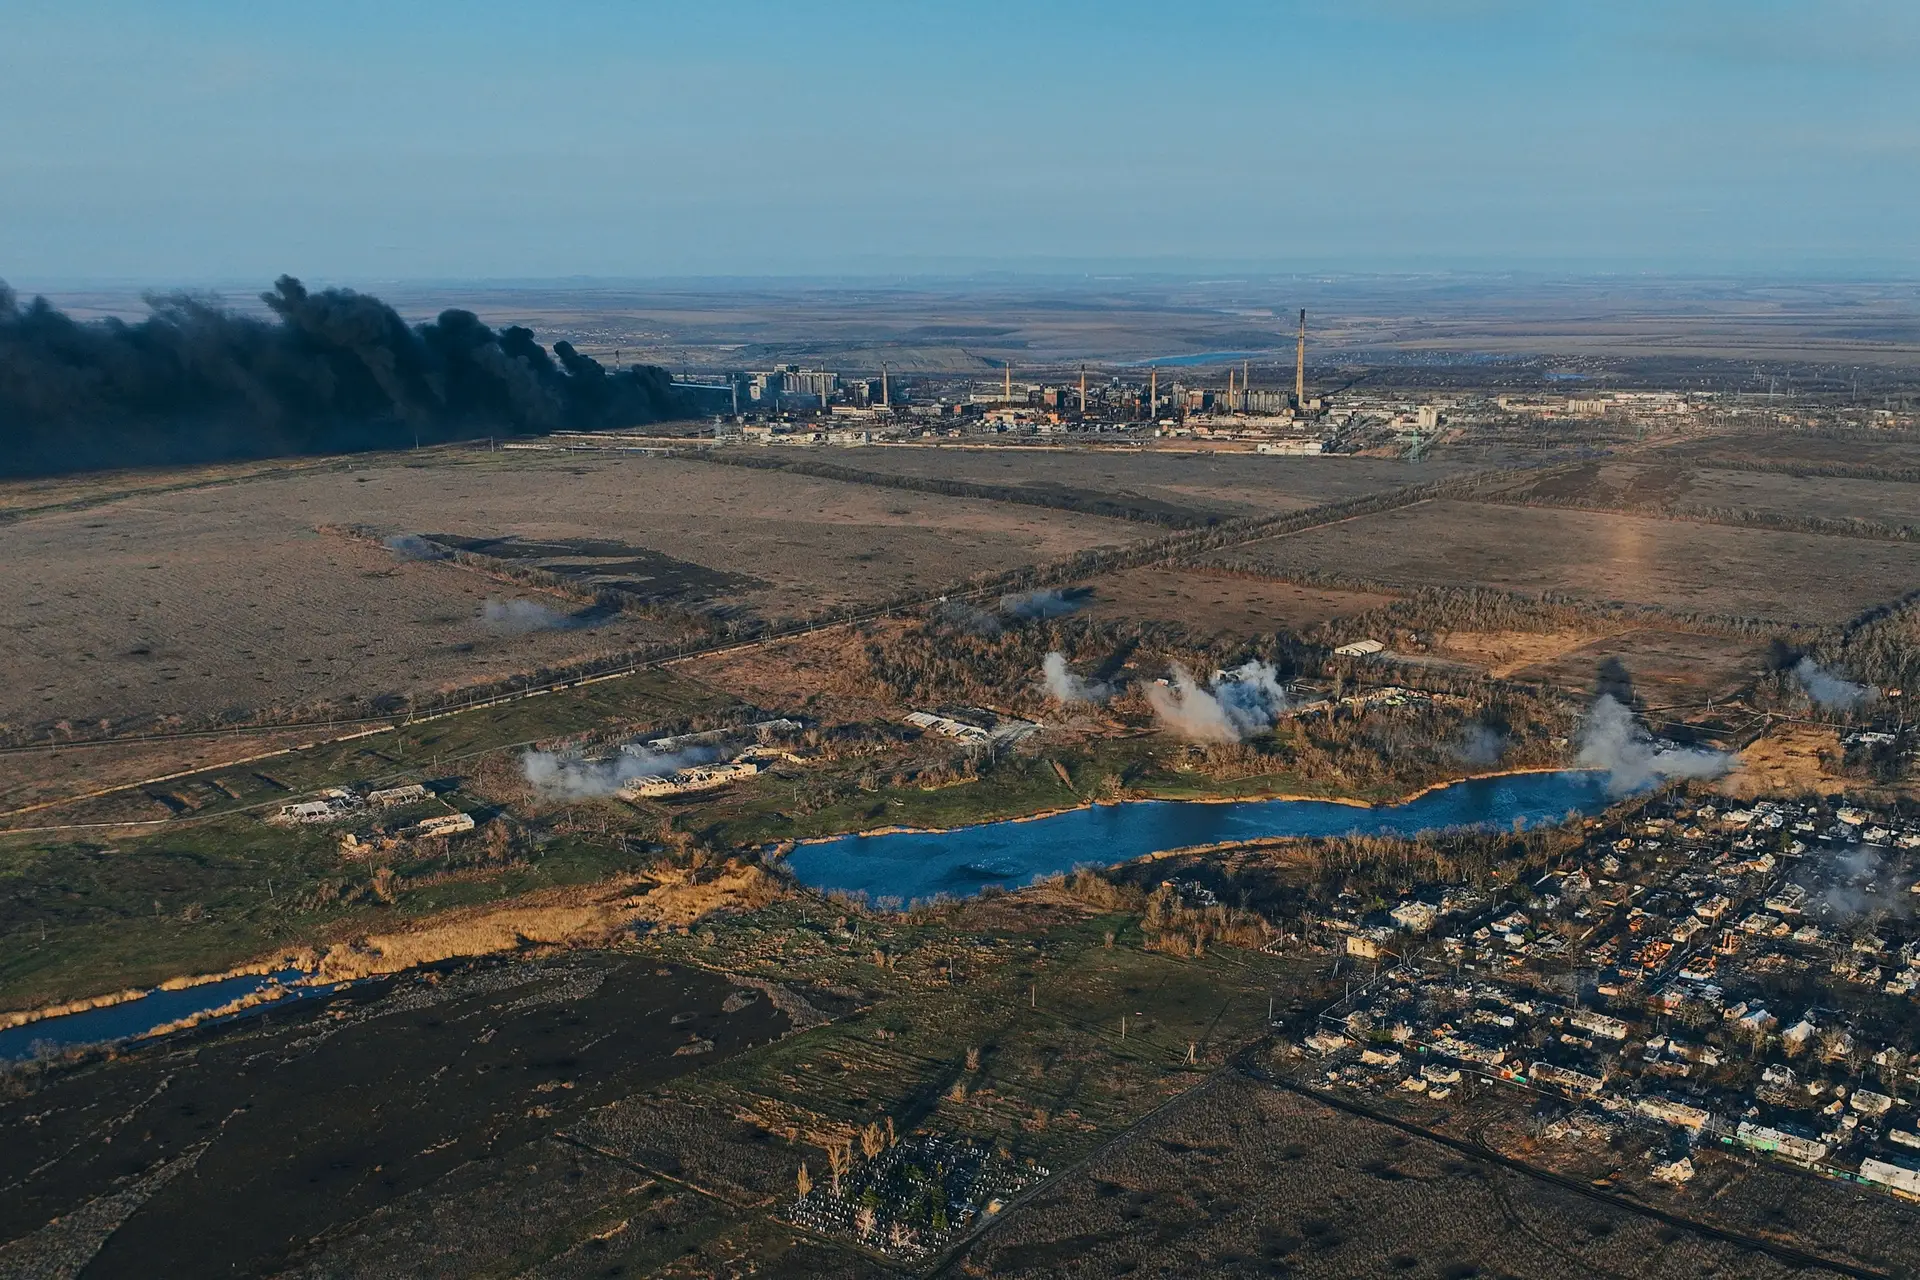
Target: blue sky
201, 142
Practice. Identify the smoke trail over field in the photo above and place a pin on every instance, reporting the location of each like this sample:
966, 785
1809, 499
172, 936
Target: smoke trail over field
1828, 690
1235, 705
958, 615
331, 371
518, 617
557, 777
1613, 740
411, 546
1064, 686
1041, 604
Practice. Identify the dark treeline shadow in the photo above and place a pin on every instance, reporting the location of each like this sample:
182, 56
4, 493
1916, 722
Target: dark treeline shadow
332, 371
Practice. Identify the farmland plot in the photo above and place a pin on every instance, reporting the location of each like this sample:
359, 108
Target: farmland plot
1685, 567
1705, 491
1213, 602
184, 606
1202, 483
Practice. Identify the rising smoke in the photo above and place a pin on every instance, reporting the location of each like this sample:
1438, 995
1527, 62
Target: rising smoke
1042, 604
1865, 880
518, 617
1064, 686
1613, 740
1235, 705
1827, 690
411, 546
558, 777
1480, 745
331, 371
958, 615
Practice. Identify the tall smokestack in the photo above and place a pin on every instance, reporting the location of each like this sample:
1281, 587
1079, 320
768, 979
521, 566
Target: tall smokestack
1153, 392
1246, 380
885, 402
1007, 393
1083, 391
1300, 365
1229, 388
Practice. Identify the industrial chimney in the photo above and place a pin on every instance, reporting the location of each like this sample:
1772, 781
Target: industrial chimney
1300, 366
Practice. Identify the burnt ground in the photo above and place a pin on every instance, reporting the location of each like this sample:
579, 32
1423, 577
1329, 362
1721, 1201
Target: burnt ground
243, 1151
1243, 1180
600, 564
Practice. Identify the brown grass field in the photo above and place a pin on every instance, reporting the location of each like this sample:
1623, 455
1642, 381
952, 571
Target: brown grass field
1675, 666
1794, 449
1681, 566
1203, 482
1696, 490
197, 602
1212, 602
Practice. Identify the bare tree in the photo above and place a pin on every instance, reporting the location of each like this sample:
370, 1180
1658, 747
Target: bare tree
840, 1159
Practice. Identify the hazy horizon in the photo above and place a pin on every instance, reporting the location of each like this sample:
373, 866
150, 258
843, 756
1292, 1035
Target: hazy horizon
219, 143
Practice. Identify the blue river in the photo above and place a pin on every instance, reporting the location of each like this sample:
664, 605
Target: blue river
133, 1018
914, 866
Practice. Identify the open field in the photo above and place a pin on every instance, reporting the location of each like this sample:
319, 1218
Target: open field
1208, 602
1197, 483
227, 602
1704, 491
1673, 666
1684, 567
40, 774
1804, 450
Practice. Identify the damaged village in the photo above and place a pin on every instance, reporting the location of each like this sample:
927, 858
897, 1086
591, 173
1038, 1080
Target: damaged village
1231, 819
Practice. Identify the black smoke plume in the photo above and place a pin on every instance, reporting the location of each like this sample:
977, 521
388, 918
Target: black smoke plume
330, 372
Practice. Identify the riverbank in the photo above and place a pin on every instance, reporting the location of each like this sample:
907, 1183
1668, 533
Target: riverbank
554, 919
1253, 797
586, 915
905, 867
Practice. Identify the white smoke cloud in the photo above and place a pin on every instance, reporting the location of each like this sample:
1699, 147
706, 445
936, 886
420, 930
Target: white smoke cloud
1480, 745
1236, 704
518, 617
411, 546
962, 616
1040, 604
1613, 740
1064, 686
558, 777
1828, 690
